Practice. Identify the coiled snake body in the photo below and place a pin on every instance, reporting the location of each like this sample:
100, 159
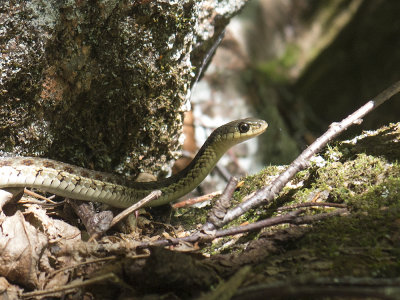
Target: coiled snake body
82, 184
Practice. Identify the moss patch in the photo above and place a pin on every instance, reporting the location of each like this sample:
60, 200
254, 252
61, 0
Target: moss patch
366, 242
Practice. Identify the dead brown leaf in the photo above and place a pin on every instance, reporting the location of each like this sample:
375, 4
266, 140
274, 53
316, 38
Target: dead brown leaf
8, 291
20, 246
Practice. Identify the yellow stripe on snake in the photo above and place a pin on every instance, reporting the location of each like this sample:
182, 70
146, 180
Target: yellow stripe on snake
83, 184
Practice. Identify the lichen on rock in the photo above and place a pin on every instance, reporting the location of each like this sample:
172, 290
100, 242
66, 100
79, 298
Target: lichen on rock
102, 84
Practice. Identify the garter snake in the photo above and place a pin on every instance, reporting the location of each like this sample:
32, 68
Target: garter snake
82, 184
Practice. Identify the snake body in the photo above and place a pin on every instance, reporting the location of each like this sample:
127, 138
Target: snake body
83, 184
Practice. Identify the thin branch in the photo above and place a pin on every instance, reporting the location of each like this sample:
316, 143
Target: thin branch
290, 218
153, 195
380, 288
308, 219
217, 213
110, 221
223, 172
195, 200
36, 195
94, 261
84, 263
318, 292
76, 284
311, 204
268, 193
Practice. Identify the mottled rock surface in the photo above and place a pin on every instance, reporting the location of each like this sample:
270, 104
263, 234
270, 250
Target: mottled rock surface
102, 84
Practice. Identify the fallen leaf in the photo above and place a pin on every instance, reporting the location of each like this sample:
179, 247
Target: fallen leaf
20, 246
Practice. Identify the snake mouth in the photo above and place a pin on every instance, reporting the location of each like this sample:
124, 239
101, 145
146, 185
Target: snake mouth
251, 127
236, 132
262, 127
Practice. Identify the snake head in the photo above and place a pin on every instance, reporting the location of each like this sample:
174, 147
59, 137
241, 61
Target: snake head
237, 131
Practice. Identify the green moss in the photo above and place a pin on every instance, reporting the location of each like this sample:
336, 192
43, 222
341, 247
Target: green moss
345, 180
348, 178
190, 217
363, 243
254, 182
357, 245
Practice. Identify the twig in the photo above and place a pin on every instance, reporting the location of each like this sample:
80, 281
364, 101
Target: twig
311, 204
134, 207
195, 200
308, 219
268, 193
223, 172
36, 195
292, 218
153, 195
94, 261
217, 214
42, 203
75, 266
110, 276
318, 292
380, 288
350, 281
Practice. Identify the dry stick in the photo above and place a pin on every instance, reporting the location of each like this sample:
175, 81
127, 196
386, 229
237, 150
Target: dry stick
195, 200
33, 194
308, 219
84, 263
364, 287
74, 285
94, 261
268, 193
311, 204
318, 292
217, 213
153, 195
290, 218
134, 207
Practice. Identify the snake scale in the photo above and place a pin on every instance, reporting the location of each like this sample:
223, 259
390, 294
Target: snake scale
83, 184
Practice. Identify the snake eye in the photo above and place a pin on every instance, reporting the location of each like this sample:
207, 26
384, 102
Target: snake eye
244, 127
